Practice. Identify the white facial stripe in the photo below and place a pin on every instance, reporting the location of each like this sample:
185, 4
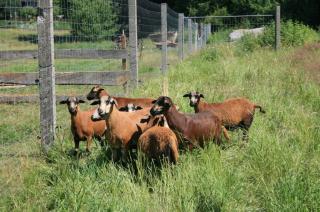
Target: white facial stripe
96, 115
193, 99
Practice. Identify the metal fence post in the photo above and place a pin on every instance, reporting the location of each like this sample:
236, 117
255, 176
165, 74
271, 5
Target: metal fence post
46, 74
190, 34
180, 29
164, 34
196, 37
277, 35
133, 42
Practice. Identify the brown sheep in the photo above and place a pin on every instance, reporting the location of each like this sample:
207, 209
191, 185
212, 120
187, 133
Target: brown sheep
234, 113
97, 92
195, 128
130, 108
159, 142
123, 128
82, 127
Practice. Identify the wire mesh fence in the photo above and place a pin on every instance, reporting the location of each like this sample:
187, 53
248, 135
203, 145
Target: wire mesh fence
232, 28
94, 44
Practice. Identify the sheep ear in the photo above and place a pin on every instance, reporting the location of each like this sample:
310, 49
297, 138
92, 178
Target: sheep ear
113, 101
123, 109
64, 102
145, 119
201, 95
139, 108
154, 101
95, 103
187, 95
81, 101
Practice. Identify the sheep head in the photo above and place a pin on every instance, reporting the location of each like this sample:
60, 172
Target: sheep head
194, 98
73, 104
130, 108
94, 92
161, 105
104, 109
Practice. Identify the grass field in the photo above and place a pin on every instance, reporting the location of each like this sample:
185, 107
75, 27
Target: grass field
278, 170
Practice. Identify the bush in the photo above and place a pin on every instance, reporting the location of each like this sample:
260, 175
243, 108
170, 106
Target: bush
95, 21
28, 13
248, 43
292, 34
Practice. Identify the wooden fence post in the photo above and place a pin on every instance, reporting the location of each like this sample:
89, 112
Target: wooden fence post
278, 27
180, 29
46, 74
164, 52
201, 35
196, 37
133, 42
190, 34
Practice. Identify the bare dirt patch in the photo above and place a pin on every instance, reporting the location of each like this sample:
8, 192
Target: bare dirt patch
307, 58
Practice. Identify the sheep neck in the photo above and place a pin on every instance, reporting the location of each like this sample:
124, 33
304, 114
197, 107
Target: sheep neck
176, 120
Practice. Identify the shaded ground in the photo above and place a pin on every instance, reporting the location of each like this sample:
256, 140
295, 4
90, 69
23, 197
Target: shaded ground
308, 58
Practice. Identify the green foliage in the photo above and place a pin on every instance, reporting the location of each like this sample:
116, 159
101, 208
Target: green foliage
292, 34
28, 13
248, 43
95, 21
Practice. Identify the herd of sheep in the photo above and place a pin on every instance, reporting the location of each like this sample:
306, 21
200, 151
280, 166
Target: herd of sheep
156, 127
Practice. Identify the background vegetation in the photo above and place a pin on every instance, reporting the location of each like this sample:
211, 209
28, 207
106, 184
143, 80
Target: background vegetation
278, 170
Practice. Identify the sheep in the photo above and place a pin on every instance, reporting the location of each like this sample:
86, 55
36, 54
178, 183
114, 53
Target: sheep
159, 142
194, 128
234, 113
130, 108
82, 127
96, 92
124, 128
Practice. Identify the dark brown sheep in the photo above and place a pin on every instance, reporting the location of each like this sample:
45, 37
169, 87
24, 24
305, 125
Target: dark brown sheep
234, 113
195, 128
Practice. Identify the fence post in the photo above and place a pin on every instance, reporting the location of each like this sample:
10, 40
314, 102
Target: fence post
196, 37
190, 34
278, 38
46, 74
164, 34
180, 29
133, 42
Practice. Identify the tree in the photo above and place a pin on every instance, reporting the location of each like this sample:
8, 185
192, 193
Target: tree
94, 20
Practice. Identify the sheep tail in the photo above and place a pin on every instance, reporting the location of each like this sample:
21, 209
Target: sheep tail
260, 108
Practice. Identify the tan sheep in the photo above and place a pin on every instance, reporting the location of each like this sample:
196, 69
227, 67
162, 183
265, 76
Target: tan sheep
82, 127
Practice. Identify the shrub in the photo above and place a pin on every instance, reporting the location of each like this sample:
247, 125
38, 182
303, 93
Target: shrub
28, 13
292, 34
93, 21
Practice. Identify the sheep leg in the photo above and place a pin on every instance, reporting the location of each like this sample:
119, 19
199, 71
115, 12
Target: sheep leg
76, 145
115, 155
245, 136
89, 142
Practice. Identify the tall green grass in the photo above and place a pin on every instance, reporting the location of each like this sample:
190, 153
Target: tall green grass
278, 170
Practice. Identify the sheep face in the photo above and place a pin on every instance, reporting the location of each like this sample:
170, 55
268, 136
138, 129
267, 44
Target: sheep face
94, 92
194, 98
105, 107
130, 108
73, 103
161, 105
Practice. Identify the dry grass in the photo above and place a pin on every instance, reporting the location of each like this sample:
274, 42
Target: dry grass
307, 58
